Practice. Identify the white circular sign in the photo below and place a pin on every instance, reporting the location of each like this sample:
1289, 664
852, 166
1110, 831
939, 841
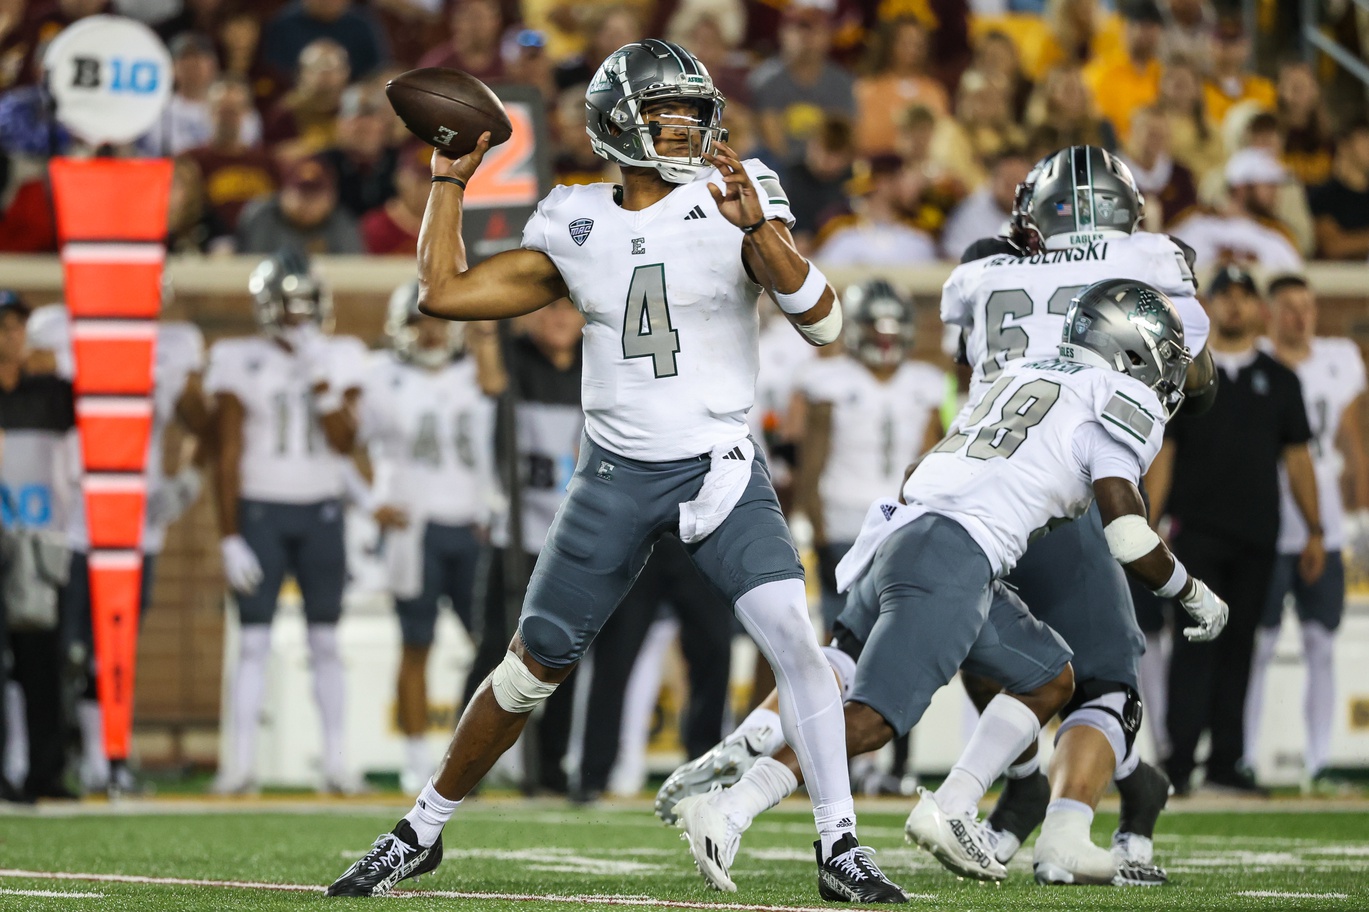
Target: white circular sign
110, 76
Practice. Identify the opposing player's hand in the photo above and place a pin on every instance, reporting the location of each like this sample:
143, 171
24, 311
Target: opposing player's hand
1312, 561
240, 564
1207, 608
464, 166
737, 199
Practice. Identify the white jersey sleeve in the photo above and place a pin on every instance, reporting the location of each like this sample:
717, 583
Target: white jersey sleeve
1101, 455
774, 201
225, 373
1131, 414
536, 233
49, 329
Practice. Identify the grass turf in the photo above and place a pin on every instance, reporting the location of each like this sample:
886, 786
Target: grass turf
1304, 860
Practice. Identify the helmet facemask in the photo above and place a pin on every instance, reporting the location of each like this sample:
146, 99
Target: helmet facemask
296, 298
701, 129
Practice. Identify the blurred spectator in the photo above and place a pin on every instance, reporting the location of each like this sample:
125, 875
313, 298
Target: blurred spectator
526, 61
1169, 187
574, 161
186, 121
21, 50
1290, 203
474, 46
985, 212
794, 89
1230, 80
712, 30
392, 228
896, 77
997, 55
933, 181
1194, 142
362, 157
27, 126
304, 215
1063, 101
202, 16
232, 172
817, 183
1306, 124
1074, 31
304, 121
1188, 26
1340, 206
27, 223
609, 30
876, 234
351, 26
191, 225
983, 110
413, 27
1122, 83
1245, 231
239, 39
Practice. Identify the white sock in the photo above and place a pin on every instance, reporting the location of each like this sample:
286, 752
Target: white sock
430, 814
1024, 769
249, 689
758, 719
1154, 683
416, 757
1006, 728
94, 762
330, 694
1067, 810
1266, 638
1319, 701
765, 785
16, 759
834, 821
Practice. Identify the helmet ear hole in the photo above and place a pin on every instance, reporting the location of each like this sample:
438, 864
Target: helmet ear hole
1136, 360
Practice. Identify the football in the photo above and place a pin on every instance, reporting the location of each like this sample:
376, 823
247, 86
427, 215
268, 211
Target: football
448, 109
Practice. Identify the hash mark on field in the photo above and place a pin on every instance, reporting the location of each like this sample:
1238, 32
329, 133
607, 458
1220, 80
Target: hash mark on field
51, 893
576, 899
1280, 894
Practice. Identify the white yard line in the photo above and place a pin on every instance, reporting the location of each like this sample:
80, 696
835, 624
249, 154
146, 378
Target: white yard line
51, 893
1280, 894
641, 901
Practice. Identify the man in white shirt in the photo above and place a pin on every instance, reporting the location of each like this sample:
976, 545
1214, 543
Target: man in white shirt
1246, 232
985, 212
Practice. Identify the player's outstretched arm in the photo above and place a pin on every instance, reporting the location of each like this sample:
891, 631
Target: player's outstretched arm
1302, 481
508, 284
1137, 548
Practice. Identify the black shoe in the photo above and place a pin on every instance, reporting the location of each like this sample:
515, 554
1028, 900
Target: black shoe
1019, 811
1144, 794
395, 856
12, 795
1239, 781
1180, 780
851, 875
1135, 874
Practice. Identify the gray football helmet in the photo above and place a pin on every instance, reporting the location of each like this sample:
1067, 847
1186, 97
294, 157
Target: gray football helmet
1130, 327
1076, 196
400, 332
285, 285
880, 328
636, 76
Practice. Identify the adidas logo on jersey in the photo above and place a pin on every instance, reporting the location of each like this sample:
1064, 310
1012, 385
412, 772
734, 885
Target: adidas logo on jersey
888, 510
696, 213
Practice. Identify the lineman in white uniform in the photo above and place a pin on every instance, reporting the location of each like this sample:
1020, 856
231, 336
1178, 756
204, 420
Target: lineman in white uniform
428, 427
285, 427
1332, 375
924, 577
667, 270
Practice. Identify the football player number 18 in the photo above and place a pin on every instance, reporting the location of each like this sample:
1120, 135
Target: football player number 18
647, 332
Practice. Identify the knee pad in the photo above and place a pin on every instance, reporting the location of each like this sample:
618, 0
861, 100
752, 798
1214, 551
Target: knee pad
516, 689
844, 666
1108, 707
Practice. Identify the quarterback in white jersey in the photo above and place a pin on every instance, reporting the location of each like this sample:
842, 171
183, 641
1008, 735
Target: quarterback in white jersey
429, 430
667, 270
1332, 374
284, 422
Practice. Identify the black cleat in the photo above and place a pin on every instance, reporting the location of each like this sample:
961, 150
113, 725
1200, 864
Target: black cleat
851, 875
1144, 794
395, 856
1135, 874
1020, 809
1238, 781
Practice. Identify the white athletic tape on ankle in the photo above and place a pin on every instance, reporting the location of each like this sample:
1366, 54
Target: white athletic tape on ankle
516, 689
1130, 538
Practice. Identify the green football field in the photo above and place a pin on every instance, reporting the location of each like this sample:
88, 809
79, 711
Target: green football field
549, 857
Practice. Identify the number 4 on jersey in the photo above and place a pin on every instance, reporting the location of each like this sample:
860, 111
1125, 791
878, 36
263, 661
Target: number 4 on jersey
647, 332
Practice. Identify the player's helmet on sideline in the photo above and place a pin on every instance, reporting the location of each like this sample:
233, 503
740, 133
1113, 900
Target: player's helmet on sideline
1128, 326
879, 323
285, 285
636, 76
400, 316
1075, 196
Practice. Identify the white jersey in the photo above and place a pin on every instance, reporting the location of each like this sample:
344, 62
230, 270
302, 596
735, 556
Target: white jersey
285, 457
671, 325
1332, 377
1220, 240
1026, 457
179, 353
431, 439
1014, 308
877, 430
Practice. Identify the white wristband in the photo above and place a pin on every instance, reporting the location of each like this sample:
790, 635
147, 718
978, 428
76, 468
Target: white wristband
1176, 582
806, 296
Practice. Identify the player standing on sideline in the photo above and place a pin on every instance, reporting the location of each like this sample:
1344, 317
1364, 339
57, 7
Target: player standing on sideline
428, 426
284, 428
667, 270
1331, 372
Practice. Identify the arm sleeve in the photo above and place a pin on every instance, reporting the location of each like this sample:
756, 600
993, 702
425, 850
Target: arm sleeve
774, 200
1131, 416
535, 231
955, 309
1100, 454
1293, 426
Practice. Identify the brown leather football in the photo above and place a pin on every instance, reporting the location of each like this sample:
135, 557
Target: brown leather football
448, 109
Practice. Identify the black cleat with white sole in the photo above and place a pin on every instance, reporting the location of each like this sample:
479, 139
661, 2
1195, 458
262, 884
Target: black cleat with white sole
1136, 874
395, 856
851, 875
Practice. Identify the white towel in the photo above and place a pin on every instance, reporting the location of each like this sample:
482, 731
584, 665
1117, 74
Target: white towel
404, 558
729, 472
884, 517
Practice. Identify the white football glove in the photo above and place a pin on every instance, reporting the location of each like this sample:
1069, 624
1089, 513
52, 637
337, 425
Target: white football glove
173, 496
1207, 609
240, 564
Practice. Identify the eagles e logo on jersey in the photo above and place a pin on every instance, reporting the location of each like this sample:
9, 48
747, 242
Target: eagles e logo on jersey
579, 231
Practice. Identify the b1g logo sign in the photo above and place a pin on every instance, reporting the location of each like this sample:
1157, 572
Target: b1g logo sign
110, 76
